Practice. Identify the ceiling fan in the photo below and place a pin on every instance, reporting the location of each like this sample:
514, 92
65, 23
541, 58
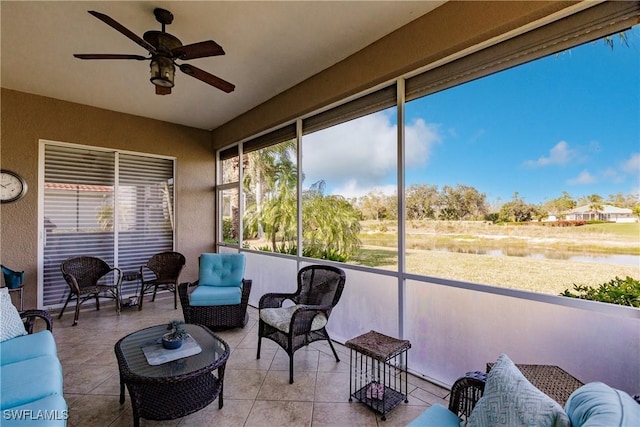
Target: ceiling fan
165, 49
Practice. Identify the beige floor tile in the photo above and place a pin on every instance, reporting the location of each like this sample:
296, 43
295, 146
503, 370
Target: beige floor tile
276, 386
245, 358
84, 378
332, 387
94, 411
304, 360
234, 413
343, 414
243, 384
257, 391
327, 363
280, 414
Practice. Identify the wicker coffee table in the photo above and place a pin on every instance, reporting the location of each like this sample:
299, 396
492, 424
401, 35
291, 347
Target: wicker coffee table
173, 389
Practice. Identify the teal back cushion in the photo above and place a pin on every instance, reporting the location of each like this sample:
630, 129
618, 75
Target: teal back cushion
221, 269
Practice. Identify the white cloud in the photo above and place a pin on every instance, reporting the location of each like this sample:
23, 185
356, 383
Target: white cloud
560, 154
632, 164
352, 189
356, 156
612, 175
583, 178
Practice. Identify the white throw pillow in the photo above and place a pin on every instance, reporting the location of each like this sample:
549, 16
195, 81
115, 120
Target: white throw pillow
11, 325
509, 399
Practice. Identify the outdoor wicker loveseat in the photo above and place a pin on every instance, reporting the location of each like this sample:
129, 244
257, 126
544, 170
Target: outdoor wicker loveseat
505, 397
31, 388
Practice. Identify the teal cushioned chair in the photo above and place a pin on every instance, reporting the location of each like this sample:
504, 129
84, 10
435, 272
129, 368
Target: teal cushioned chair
219, 298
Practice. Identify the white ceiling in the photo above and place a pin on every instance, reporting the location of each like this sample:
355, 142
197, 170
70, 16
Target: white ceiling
270, 46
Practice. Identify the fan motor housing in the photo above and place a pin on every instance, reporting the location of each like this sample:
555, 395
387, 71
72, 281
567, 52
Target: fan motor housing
163, 42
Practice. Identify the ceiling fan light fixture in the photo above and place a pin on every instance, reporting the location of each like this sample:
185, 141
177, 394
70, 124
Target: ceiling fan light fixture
162, 71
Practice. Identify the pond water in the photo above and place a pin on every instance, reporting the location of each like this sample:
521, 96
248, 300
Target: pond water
627, 260
522, 252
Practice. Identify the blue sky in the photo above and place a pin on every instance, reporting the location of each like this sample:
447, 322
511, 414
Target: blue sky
568, 122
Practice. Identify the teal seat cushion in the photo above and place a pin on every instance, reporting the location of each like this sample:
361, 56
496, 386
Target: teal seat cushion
27, 347
29, 380
597, 404
436, 416
49, 411
211, 295
221, 269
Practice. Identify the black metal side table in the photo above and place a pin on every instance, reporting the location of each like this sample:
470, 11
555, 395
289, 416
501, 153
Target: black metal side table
377, 364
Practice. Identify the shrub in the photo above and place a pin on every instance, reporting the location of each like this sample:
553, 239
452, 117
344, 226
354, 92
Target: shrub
617, 291
227, 229
565, 223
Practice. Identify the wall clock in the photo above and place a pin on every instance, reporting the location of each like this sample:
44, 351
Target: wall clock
12, 186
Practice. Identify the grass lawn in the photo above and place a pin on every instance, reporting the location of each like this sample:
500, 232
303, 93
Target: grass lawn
462, 251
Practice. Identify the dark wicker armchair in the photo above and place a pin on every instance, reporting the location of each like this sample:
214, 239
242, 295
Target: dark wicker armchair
210, 309
319, 290
84, 275
166, 268
465, 393
29, 317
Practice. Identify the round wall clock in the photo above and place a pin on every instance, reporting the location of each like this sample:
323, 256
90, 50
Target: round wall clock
12, 186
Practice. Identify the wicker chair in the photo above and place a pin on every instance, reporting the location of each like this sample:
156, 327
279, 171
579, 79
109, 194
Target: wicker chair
29, 318
212, 312
166, 268
83, 275
465, 393
293, 327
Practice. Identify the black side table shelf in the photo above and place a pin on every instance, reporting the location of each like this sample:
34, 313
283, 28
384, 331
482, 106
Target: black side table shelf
377, 364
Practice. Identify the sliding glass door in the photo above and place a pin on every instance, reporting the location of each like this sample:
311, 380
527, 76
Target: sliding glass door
104, 203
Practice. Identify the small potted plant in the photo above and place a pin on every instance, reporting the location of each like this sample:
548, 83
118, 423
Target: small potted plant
177, 333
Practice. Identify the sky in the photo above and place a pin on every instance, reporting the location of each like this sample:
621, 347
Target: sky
568, 122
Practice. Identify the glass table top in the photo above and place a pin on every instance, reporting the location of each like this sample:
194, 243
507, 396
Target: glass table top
214, 352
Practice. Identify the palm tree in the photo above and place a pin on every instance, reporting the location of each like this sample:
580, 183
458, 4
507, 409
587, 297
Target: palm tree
330, 223
595, 204
269, 174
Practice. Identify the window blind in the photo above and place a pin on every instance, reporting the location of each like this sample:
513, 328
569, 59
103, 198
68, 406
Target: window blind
367, 104
593, 23
277, 136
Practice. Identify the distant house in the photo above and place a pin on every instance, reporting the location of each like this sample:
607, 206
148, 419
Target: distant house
605, 213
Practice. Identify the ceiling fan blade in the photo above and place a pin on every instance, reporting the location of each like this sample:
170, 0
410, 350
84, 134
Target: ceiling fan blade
207, 78
108, 56
119, 27
198, 50
161, 90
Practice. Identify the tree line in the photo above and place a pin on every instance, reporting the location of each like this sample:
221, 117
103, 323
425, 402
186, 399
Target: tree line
331, 223
464, 202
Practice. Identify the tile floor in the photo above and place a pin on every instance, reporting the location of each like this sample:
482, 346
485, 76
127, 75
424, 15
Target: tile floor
256, 392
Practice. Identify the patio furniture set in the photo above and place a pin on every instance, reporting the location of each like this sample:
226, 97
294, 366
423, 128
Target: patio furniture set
167, 384
530, 395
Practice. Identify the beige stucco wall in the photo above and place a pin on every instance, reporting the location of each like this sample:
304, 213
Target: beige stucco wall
451, 28
25, 119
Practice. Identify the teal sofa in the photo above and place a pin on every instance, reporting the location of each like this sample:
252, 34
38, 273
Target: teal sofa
506, 398
31, 376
